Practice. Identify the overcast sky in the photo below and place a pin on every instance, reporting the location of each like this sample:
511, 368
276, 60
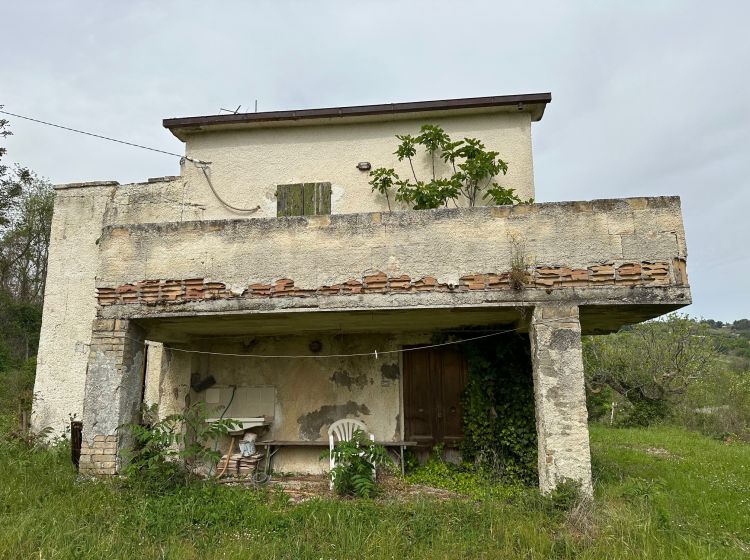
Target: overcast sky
648, 98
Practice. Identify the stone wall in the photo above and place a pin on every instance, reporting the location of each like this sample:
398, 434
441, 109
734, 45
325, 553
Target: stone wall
114, 382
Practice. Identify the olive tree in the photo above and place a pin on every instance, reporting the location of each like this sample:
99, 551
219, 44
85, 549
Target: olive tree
650, 365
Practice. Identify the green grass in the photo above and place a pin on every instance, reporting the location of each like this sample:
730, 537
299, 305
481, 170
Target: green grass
693, 502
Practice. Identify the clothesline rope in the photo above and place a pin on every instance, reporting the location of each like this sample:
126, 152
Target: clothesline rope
375, 353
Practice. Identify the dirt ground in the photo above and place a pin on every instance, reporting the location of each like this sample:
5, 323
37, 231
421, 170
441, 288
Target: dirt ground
300, 488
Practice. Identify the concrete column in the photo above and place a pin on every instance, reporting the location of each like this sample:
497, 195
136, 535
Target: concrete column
560, 397
112, 396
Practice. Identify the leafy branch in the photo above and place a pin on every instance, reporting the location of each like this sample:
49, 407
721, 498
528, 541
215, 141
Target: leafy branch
474, 169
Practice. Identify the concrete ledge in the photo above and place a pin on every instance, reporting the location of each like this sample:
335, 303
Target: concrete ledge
64, 186
399, 218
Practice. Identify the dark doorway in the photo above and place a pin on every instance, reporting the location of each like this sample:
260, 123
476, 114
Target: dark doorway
434, 380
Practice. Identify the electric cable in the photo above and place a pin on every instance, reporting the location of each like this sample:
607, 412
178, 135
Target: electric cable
102, 137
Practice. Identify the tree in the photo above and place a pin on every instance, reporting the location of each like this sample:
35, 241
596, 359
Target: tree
25, 221
651, 364
26, 203
25, 235
474, 169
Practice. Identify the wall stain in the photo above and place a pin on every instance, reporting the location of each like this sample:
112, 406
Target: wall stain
348, 380
311, 423
391, 372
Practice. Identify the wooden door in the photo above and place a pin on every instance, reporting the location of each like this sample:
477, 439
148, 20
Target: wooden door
434, 380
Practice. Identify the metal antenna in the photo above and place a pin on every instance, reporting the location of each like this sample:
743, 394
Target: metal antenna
237, 110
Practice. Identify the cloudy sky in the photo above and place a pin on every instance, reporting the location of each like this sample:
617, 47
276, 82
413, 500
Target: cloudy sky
649, 98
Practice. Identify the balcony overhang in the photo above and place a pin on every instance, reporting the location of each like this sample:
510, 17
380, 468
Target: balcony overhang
621, 261
597, 316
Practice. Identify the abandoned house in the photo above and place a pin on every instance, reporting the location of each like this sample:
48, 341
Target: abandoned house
269, 281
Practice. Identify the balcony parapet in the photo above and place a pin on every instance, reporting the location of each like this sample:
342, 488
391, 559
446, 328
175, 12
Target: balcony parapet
619, 244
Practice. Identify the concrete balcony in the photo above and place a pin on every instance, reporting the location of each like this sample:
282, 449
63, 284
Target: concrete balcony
620, 261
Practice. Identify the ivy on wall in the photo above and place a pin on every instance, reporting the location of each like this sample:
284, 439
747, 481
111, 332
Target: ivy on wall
499, 416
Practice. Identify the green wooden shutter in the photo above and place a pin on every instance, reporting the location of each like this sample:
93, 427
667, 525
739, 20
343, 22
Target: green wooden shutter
303, 199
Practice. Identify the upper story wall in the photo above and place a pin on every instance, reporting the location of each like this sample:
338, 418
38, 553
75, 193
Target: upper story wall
248, 163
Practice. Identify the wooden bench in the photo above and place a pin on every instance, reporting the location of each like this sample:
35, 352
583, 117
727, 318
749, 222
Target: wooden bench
273, 447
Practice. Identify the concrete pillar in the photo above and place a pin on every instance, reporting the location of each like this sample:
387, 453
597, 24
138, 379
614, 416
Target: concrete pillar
560, 397
112, 395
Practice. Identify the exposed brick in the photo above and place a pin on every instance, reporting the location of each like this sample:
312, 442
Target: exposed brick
680, 272
602, 274
351, 287
400, 283
375, 282
151, 292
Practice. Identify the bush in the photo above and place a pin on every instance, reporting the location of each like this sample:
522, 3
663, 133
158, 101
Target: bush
165, 452
719, 406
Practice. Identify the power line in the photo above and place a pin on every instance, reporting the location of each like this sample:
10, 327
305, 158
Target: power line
203, 165
106, 138
224, 202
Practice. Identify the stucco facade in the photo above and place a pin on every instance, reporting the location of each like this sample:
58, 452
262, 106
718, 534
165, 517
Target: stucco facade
153, 285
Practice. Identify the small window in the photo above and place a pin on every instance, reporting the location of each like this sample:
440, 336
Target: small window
303, 199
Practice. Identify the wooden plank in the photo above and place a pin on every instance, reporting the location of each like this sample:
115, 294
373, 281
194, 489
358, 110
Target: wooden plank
281, 195
289, 200
325, 443
309, 196
324, 198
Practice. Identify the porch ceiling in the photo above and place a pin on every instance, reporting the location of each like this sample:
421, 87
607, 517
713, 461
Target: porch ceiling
183, 329
594, 319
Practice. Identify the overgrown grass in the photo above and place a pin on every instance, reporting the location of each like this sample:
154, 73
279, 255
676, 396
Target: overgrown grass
661, 493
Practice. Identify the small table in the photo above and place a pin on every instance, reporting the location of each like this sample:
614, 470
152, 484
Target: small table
273, 447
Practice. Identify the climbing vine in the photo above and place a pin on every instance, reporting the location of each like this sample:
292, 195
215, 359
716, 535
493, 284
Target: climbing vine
499, 417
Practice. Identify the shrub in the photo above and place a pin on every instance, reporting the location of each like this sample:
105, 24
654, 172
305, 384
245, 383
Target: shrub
165, 452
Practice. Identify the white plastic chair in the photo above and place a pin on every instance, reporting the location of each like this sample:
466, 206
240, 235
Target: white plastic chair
342, 430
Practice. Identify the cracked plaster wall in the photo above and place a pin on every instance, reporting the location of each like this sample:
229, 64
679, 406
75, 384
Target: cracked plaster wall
311, 393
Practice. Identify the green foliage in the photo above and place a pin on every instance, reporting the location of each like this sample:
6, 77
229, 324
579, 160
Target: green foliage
499, 416
165, 452
472, 169
425, 195
565, 495
718, 405
599, 402
502, 196
383, 181
650, 365
16, 397
466, 479
356, 460
688, 507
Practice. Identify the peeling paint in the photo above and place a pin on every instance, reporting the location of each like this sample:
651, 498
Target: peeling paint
311, 423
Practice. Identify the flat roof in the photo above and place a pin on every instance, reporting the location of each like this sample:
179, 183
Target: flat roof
533, 103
